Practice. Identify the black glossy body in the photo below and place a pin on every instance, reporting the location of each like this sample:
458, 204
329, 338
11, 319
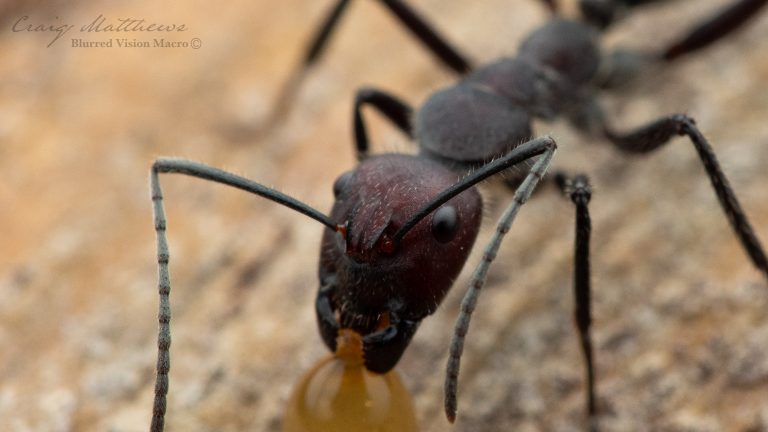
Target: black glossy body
489, 112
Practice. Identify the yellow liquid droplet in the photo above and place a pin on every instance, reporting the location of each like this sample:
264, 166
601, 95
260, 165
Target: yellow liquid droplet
340, 395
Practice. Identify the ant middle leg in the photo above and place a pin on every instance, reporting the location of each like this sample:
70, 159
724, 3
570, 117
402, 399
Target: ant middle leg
416, 24
579, 191
397, 111
650, 137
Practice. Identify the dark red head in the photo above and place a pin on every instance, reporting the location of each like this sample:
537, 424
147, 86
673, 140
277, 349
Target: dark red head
376, 275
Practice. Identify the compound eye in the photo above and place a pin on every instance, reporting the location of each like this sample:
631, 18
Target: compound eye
341, 183
445, 223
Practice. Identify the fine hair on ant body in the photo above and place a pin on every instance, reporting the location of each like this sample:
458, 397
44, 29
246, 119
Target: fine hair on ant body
388, 231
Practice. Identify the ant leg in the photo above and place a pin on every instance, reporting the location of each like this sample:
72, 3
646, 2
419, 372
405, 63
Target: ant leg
382, 349
290, 88
205, 172
417, 25
652, 136
323, 34
722, 23
624, 65
434, 42
580, 192
469, 302
603, 13
394, 109
551, 5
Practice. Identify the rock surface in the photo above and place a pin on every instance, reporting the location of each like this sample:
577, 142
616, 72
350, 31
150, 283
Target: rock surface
681, 326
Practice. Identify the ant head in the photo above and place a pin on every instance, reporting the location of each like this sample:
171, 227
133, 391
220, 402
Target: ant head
375, 268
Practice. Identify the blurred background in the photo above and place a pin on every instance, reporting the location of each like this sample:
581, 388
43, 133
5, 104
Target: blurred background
680, 324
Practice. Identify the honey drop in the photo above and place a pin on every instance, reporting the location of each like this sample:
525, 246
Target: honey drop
340, 395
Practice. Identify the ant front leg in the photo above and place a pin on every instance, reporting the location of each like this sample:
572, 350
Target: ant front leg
652, 136
398, 112
580, 193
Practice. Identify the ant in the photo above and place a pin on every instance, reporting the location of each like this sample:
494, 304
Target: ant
557, 72
378, 277
386, 345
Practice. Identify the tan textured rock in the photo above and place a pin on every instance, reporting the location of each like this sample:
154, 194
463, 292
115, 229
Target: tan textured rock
680, 314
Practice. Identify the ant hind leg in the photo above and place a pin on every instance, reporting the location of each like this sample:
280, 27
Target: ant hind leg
652, 136
721, 24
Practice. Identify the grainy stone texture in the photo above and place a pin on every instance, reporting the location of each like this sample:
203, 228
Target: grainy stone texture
680, 314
